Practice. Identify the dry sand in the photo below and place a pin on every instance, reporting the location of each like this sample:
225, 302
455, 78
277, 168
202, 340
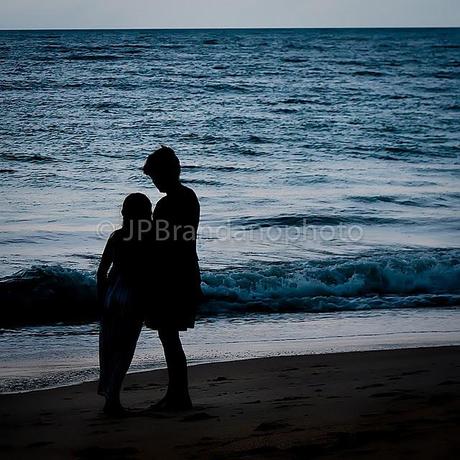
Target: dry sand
379, 405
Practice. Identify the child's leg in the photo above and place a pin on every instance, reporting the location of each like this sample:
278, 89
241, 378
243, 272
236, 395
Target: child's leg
177, 395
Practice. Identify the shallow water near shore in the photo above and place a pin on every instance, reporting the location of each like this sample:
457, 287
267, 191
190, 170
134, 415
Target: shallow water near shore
45, 357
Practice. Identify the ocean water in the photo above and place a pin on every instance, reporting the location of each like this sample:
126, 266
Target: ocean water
326, 163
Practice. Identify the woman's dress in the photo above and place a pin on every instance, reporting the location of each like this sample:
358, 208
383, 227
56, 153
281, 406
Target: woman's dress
122, 316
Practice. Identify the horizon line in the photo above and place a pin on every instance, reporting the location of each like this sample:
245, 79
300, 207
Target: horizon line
37, 29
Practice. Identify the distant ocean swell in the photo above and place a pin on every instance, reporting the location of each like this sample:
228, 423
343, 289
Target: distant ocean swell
51, 294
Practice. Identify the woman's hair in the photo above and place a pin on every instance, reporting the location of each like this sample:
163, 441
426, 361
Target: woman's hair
163, 161
136, 206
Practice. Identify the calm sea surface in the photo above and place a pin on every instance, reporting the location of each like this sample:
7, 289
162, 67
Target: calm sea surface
326, 163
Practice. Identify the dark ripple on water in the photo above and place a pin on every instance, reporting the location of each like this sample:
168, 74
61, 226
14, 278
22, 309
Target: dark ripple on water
23, 157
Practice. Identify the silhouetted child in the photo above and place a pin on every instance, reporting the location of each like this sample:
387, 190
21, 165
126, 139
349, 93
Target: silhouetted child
120, 289
176, 292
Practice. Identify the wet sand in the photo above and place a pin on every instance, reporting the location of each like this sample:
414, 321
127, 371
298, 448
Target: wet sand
379, 405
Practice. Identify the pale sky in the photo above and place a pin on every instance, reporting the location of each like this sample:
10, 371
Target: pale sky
63, 14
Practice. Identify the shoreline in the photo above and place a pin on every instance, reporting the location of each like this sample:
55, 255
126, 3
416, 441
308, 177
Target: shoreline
231, 361
326, 405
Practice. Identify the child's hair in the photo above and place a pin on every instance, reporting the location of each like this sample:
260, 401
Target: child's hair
136, 207
164, 160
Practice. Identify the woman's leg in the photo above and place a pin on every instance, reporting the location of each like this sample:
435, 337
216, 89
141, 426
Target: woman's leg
117, 353
177, 396
106, 355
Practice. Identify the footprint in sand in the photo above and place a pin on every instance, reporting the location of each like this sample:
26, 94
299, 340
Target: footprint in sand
442, 398
42, 423
387, 394
272, 426
374, 385
291, 398
198, 417
420, 371
95, 452
39, 444
219, 379
449, 382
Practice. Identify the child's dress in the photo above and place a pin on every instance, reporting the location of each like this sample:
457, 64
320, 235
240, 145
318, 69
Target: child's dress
122, 318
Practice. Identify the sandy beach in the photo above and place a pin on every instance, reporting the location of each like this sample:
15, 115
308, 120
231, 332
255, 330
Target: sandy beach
380, 404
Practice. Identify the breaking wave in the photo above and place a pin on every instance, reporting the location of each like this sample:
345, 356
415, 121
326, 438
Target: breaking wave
50, 294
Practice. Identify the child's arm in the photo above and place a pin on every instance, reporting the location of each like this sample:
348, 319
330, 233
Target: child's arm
103, 270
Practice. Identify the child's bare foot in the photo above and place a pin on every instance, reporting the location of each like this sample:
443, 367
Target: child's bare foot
169, 403
114, 409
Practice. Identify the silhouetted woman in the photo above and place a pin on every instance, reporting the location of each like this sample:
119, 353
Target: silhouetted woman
121, 283
177, 292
